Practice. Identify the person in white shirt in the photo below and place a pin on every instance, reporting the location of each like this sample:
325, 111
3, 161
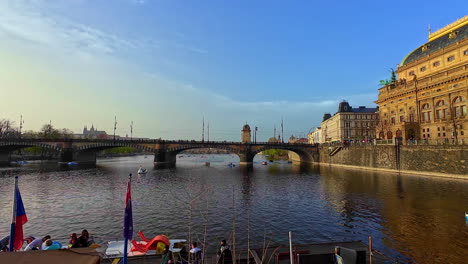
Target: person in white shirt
195, 254
36, 244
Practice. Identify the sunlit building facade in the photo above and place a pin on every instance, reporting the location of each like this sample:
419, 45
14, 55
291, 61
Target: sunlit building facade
428, 97
350, 124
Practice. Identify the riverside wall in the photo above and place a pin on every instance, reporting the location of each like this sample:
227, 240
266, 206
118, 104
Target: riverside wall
437, 160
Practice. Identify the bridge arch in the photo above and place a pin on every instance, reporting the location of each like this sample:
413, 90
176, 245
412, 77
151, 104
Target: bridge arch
305, 153
98, 146
12, 146
180, 148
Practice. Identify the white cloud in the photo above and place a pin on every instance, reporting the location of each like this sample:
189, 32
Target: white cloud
30, 21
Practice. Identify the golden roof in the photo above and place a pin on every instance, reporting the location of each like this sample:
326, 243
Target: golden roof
450, 27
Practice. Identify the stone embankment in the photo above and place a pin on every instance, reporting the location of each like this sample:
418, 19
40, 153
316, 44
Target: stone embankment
434, 160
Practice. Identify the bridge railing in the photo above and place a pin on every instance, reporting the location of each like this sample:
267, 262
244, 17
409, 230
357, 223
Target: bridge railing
144, 141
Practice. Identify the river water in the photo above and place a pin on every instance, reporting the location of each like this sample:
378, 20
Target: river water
411, 218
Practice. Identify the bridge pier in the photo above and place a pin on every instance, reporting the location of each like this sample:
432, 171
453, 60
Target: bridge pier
4, 159
65, 155
85, 157
164, 159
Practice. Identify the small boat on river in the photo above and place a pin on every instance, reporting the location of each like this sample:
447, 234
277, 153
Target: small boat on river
264, 163
145, 247
142, 171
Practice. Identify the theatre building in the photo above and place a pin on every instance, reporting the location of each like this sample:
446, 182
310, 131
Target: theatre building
427, 99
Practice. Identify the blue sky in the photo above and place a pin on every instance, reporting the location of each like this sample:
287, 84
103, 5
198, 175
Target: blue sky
165, 64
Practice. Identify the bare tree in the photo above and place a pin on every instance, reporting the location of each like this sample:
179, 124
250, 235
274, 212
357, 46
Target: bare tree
7, 129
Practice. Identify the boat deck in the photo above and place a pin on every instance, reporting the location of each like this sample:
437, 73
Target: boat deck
309, 253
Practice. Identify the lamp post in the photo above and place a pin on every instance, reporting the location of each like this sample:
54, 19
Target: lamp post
115, 125
131, 130
21, 125
255, 135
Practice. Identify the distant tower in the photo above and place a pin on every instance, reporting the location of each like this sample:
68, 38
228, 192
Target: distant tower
246, 134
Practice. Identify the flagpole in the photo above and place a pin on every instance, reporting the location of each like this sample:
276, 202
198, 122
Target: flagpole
13, 219
124, 261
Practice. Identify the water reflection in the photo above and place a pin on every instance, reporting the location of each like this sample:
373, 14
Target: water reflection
410, 217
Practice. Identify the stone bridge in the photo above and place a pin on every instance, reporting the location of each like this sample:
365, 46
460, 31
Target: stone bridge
165, 151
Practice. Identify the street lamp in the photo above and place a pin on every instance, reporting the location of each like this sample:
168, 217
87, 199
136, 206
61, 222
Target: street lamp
21, 125
255, 135
115, 125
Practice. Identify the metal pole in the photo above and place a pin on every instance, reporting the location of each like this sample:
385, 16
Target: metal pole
290, 248
13, 218
115, 125
370, 249
131, 131
282, 131
203, 130
208, 131
21, 125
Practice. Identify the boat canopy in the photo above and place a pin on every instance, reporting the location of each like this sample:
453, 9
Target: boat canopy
59, 256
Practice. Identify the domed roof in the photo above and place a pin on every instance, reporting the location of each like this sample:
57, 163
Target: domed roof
246, 127
436, 43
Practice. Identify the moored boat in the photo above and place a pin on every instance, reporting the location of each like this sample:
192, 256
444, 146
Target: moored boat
142, 171
146, 247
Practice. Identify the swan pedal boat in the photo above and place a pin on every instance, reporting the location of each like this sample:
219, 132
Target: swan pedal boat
115, 249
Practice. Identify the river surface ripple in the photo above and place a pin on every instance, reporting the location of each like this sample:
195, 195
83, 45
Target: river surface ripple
411, 218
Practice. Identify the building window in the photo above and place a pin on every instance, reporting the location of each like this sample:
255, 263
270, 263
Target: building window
465, 53
426, 106
411, 73
428, 135
435, 64
438, 134
462, 133
393, 120
423, 68
402, 119
424, 130
443, 134
451, 58
438, 128
458, 99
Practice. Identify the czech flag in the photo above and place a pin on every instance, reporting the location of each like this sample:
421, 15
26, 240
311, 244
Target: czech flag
128, 219
19, 219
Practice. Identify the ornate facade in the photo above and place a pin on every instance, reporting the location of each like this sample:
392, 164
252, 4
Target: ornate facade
349, 124
428, 97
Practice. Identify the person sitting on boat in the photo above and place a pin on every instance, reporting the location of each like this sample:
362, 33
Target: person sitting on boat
195, 254
50, 245
4, 244
74, 242
167, 257
224, 253
36, 243
84, 239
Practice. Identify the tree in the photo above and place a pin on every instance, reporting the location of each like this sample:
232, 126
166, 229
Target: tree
48, 131
6, 129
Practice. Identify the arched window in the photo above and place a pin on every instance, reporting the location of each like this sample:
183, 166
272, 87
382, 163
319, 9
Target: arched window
440, 103
426, 115
459, 106
381, 135
389, 135
398, 133
458, 99
441, 111
426, 106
